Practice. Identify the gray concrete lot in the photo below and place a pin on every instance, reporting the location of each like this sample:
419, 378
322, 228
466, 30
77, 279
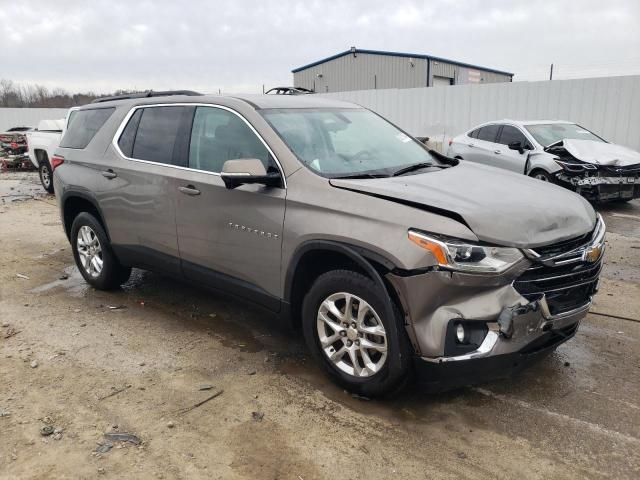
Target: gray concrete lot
135, 361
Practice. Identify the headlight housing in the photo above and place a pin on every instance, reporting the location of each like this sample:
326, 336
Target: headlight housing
459, 255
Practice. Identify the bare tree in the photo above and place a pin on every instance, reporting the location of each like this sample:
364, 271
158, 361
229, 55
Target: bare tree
28, 95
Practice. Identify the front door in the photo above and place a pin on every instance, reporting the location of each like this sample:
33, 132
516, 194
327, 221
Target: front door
229, 239
511, 159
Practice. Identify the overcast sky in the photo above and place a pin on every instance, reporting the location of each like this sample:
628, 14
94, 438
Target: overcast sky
239, 45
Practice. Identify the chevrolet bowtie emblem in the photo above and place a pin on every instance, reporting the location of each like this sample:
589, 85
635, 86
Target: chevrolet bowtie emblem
592, 254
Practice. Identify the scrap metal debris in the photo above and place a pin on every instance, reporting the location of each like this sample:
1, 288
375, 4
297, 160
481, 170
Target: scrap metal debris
199, 404
257, 416
116, 307
104, 447
11, 332
46, 430
122, 437
116, 391
20, 275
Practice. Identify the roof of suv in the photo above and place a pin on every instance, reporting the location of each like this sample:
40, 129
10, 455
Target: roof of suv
257, 101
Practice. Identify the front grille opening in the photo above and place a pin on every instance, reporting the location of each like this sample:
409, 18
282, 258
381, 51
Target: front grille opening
566, 287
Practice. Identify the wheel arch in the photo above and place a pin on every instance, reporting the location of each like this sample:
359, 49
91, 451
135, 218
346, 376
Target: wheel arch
315, 257
541, 161
74, 203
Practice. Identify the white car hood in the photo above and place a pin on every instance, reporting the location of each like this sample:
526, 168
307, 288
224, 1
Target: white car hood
601, 153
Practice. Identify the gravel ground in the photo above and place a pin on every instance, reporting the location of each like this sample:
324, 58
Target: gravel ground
142, 360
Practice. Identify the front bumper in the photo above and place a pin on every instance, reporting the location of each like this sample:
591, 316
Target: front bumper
605, 186
433, 300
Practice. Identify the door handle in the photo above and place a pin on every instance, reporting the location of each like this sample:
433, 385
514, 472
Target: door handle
109, 174
189, 190
497, 152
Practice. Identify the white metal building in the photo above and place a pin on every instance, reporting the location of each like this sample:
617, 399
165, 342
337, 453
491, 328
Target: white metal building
358, 69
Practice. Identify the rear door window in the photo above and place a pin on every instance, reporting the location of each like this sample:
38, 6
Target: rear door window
156, 135
488, 133
474, 134
219, 135
511, 134
83, 126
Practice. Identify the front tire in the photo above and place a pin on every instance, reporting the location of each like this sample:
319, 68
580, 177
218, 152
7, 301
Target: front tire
46, 175
348, 331
543, 176
93, 254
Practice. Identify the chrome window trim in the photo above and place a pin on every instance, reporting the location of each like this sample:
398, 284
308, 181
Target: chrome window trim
125, 121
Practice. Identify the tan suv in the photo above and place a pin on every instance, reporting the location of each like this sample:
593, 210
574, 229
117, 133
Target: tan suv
388, 257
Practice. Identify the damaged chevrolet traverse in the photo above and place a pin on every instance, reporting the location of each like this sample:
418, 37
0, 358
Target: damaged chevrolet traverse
388, 258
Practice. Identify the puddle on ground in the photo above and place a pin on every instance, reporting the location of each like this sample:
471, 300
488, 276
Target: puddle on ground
75, 285
20, 186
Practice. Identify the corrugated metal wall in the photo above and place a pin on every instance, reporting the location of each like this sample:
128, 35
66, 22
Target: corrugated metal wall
608, 106
363, 71
28, 117
371, 71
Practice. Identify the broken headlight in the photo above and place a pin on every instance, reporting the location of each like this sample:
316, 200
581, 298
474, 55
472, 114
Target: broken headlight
468, 257
575, 166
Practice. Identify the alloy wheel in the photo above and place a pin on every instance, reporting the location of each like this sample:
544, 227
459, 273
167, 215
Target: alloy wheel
45, 176
89, 251
541, 176
351, 335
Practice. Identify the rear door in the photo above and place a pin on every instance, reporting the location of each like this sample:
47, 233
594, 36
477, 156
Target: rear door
139, 203
511, 159
484, 146
229, 239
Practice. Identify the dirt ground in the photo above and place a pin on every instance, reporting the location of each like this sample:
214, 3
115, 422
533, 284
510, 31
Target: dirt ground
135, 361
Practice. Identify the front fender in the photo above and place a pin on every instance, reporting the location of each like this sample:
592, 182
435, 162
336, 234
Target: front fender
541, 161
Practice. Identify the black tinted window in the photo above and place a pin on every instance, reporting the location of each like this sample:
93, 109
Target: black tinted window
511, 134
157, 133
83, 126
125, 142
219, 135
474, 134
488, 133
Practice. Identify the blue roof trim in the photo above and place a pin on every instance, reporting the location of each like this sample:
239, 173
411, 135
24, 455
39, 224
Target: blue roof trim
400, 54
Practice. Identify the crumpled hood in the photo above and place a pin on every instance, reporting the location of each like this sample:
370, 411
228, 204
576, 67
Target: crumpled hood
601, 153
499, 206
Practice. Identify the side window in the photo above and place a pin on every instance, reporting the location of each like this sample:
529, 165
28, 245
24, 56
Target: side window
511, 134
157, 133
474, 134
83, 126
488, 133
125, 142
219, 135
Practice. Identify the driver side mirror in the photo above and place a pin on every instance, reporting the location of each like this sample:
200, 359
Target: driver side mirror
517, 146
247, 170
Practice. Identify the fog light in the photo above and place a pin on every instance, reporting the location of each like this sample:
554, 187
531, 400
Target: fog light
460, 333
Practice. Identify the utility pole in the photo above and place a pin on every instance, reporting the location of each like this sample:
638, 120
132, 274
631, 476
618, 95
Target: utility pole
551, 72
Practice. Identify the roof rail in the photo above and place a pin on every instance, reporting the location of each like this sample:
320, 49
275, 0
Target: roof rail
147, 94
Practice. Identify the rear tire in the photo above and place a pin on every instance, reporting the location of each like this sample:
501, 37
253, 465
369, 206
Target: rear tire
46, 175
93, 254
366, 363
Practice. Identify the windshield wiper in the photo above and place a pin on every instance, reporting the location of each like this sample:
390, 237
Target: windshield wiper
361, 175
411, 168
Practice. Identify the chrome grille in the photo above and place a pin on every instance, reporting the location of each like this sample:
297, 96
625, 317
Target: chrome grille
563, 273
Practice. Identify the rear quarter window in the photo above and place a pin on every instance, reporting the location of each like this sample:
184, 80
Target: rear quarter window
83, 126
